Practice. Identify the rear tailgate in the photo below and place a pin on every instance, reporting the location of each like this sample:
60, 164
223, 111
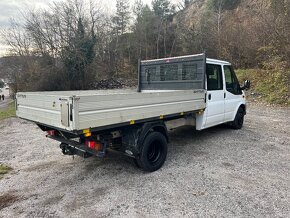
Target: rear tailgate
46, 109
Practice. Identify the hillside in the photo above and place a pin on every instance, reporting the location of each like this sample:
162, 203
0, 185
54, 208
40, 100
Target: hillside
244, 10
238, 31
250, 34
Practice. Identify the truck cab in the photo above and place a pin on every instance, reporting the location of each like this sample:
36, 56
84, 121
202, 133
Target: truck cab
225, 99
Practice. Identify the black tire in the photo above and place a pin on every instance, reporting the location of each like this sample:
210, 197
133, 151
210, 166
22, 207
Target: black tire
239, 119
153, 153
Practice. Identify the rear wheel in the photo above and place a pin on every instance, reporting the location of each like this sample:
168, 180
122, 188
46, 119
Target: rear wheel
239, 119
136, 162
153, 153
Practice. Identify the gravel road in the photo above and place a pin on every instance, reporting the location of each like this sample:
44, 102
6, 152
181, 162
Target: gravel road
218, 172
4, 104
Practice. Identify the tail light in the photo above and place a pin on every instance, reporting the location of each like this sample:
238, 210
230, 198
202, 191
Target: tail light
90, 144
94, 145
51, 132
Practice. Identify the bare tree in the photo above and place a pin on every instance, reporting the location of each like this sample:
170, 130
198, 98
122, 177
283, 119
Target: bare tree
63, 40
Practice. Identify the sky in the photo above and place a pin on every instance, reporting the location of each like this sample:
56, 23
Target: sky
13, 8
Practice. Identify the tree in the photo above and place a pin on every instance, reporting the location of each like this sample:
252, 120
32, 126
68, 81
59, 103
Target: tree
62, 49
137, 8
120, 41
19, 41
162, 8
144, 31
78, 57
217, 8
183, 5
163, 11
187, 3
122, 18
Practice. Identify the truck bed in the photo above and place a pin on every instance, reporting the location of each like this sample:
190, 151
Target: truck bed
78, 110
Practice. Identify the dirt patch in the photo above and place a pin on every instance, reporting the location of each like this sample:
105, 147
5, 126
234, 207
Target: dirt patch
41, 166
53, 200
228, 164
7, 199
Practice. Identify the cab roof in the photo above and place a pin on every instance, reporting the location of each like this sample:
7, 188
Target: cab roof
208, 60
216, 61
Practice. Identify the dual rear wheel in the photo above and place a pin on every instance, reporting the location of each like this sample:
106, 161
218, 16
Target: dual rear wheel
153, 153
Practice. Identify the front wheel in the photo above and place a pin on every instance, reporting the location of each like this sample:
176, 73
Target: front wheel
153, 153
239, 119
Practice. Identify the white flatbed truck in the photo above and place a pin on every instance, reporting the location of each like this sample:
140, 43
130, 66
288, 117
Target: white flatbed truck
172, 92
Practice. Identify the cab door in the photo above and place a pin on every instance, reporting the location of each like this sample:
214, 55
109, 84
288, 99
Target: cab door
215, 96
233, 93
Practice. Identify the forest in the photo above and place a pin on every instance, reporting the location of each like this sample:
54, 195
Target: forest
77, 44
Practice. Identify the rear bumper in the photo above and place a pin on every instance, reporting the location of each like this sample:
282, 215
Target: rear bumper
71, 147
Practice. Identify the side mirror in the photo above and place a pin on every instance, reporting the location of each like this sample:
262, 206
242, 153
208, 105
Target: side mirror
247, 85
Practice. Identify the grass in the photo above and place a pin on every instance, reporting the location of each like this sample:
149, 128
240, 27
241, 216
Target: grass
272, 85
8, 112
3, 170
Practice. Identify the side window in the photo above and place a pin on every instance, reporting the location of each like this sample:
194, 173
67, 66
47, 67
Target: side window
232, 84
172, 72
169, 72
151, 73
214, 77
189, 71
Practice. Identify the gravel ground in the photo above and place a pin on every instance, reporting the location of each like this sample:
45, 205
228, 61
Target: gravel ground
5, 103
218, 172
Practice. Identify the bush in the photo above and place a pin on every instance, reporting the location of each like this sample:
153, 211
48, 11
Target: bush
271, 83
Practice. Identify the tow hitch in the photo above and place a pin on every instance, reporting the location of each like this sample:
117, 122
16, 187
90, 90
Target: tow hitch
71, 150
86, 149
66, 150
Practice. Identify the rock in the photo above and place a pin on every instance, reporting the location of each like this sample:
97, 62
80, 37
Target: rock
113, 83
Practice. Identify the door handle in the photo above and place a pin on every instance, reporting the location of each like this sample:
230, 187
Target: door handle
209, 96
225, 95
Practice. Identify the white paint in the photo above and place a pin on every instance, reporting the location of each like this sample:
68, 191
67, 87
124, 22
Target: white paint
215, 108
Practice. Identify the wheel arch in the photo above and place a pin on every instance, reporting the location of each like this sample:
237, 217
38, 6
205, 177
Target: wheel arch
153, 126
134, 136
158, 126
162, 129
243, 106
